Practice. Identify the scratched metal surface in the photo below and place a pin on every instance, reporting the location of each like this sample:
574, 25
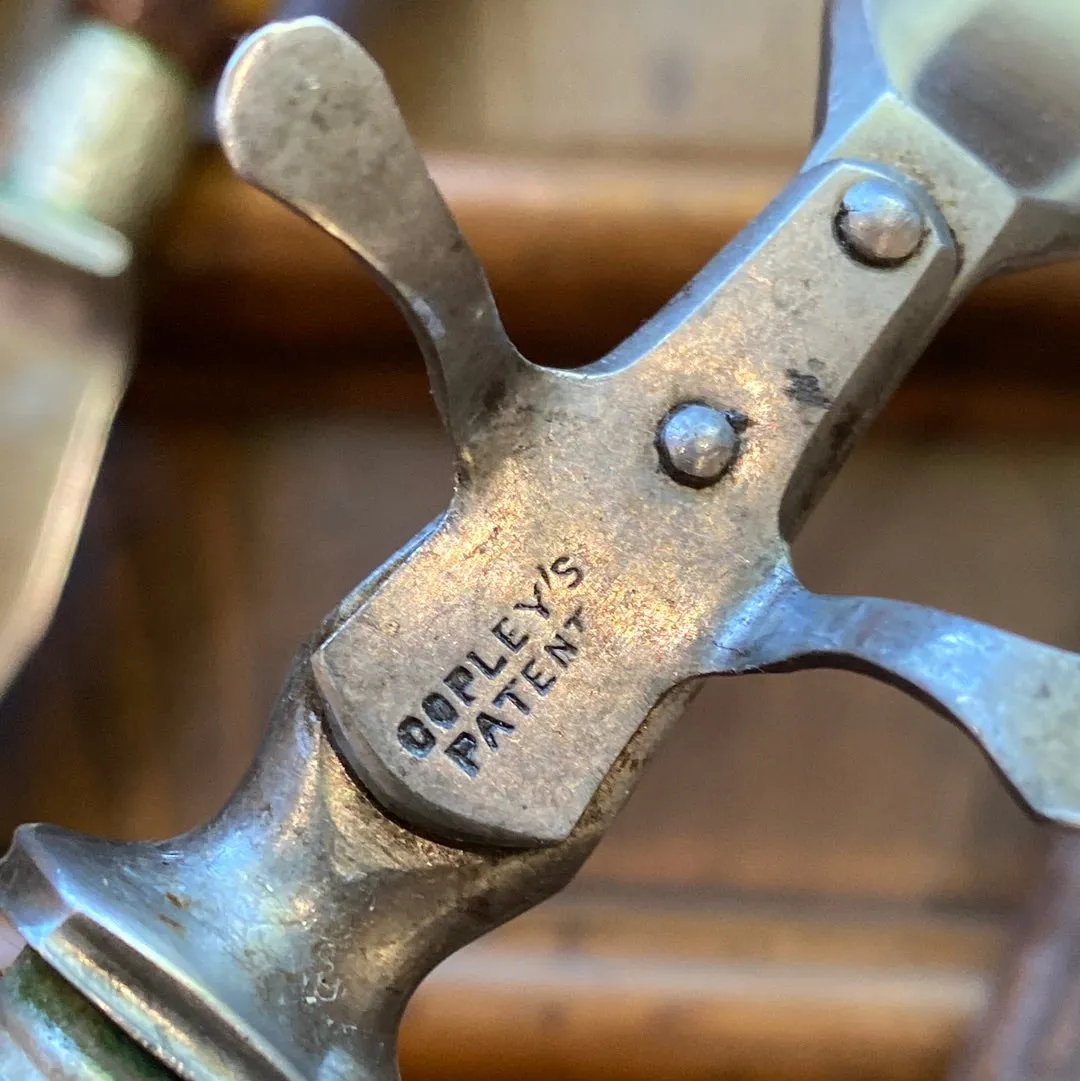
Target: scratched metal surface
563, 460
334, 909
558, 469
832, 785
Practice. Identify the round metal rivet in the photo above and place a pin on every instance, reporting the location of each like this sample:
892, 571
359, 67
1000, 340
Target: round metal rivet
697, 443
879, 223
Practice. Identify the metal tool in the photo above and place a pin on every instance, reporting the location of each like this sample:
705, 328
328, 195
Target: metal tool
462, 729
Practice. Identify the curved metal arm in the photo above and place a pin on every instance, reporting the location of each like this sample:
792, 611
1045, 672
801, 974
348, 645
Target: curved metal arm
575, 581
303, 92
1019, 699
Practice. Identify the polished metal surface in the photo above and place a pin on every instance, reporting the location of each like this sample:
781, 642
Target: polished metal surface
498, 685
879, 223
697, 443
975, 99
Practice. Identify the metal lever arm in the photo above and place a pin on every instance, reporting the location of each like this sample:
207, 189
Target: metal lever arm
1019, 699
496, 683
304, 92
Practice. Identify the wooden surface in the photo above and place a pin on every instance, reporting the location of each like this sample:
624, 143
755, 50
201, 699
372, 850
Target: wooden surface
1031, 1028
633, 990
667, 76
579, 252
682, 76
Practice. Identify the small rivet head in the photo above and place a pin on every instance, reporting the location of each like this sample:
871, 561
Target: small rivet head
697, 443
879, 223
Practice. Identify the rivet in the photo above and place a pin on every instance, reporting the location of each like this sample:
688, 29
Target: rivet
879, 223
697, 443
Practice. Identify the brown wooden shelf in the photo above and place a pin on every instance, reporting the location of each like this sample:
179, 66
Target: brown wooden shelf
592, 987
579, 252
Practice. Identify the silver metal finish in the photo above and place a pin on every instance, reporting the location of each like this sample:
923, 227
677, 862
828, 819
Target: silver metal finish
304, 92
879, 223
974, 99
283, 940
549, 611
1019, 699
697, 443
502, 680
550, 608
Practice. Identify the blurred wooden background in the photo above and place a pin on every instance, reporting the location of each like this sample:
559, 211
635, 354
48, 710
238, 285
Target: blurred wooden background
817, 878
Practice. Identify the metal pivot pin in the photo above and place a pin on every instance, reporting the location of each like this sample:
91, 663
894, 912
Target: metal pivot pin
466, 724
880, 223
697, 443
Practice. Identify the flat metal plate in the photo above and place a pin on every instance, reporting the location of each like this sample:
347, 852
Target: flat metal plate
490, 684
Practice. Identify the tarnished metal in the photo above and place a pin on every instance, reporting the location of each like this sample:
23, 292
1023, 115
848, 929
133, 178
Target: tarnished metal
975, 99
303, 92
572, 582
283, 940
1019, 699
497, 686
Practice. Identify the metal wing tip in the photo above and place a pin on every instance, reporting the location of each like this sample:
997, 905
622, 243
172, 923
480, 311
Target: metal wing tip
234, 93
305, 114
229, 97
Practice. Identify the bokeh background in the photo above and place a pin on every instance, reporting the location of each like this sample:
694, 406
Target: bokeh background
817, 878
